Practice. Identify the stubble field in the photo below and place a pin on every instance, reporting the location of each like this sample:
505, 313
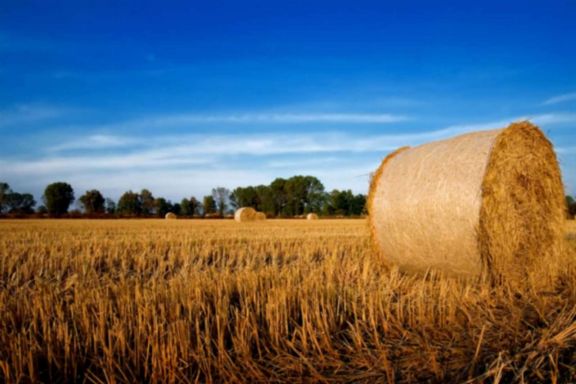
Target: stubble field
275, 301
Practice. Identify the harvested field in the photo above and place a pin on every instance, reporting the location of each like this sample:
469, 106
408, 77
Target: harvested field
288, 301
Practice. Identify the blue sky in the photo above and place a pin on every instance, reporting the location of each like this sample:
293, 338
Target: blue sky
180, 97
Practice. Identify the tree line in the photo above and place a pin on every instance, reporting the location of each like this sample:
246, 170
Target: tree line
294, 196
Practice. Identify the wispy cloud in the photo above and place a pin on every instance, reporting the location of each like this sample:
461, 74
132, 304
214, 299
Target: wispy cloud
187, 145
94, 142
566, 150
30, 113
554, 118
541, 119
113, 152
560, 99
296, 118
188, 119
192, 161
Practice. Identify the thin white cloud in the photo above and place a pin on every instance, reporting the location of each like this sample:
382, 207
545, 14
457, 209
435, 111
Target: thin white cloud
554, 118
566, 150
560, 99
98, 141
297, 118
295, 163
151, 159
266, 144
184, 164
252, 144
174, 164
30, 113
114, 152
184, 120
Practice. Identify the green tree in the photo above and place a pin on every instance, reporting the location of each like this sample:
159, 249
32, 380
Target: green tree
20, 203
358, 205
162, 206
295, 191
264, 199
209, 205
110, 206
185, 207
58, 197
284, 197
130, 204
221, 197
92, 202
148, 202
313, 194
189, 207
279, 196
303, 194
245, 197
341, 202
4, 192
195, 206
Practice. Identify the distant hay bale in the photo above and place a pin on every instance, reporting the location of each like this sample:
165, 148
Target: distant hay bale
488, 203
170, 216
311, 216
245, 214
260, 216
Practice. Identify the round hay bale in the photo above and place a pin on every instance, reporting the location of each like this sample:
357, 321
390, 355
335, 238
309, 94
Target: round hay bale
487, 203
170, 216
245, 214
311, 216
260, 216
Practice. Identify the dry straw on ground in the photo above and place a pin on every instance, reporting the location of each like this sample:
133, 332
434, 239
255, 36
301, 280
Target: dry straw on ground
493, 204
170, 216
311, 216
245, 214
214, 301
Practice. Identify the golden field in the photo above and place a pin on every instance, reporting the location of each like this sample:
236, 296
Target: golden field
275, 301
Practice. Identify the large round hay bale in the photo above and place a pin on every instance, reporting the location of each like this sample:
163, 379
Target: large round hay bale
170, 216
487, 203
245, 214
260, 216
311, 216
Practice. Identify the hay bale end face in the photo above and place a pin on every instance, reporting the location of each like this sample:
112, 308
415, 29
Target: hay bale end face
245, 214
493, 204
170, 216
311, 216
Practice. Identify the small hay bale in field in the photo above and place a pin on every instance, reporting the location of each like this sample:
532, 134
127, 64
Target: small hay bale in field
488, 203
260, 216
170, 216
245, 214
311, 216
